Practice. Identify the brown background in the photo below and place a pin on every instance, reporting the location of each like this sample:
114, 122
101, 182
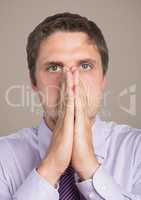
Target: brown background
120, 21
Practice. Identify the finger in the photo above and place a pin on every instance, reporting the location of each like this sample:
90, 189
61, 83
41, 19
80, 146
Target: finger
80, 96
69, 103
80, 111
60, 104
62, 97
66, 102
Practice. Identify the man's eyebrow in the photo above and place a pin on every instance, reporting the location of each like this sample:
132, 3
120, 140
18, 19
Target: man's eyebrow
86, 60
47, 63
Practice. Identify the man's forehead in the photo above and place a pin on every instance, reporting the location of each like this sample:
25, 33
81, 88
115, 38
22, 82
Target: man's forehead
68, 35
67, 40
57, 51
67, 50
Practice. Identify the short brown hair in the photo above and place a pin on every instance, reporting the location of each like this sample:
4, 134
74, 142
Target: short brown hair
64, 22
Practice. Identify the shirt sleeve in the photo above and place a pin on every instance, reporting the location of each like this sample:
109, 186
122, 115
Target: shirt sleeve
103, 186
37, 188
33, 187
4, 191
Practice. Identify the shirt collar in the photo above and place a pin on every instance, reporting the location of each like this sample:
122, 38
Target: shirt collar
99, 137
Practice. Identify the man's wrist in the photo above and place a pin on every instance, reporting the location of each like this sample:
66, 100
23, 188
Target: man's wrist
89, 172
48, 174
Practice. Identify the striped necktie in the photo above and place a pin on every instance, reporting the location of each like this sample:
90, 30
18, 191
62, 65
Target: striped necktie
67, 187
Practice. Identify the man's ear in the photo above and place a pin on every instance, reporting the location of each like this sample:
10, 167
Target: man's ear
33, 84
34, 87
104, 84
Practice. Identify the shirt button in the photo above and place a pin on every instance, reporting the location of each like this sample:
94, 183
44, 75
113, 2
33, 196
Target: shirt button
91, 195
103, 187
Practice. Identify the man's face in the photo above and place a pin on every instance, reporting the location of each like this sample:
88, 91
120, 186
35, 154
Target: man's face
63, 50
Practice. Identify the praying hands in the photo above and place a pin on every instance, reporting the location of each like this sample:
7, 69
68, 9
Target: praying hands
72, 137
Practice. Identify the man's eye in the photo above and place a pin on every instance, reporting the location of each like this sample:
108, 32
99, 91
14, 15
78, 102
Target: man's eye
54, 68
86, 66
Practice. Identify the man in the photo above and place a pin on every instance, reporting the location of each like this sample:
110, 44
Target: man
73, 154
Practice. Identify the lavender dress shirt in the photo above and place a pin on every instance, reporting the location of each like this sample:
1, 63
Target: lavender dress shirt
117, 148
